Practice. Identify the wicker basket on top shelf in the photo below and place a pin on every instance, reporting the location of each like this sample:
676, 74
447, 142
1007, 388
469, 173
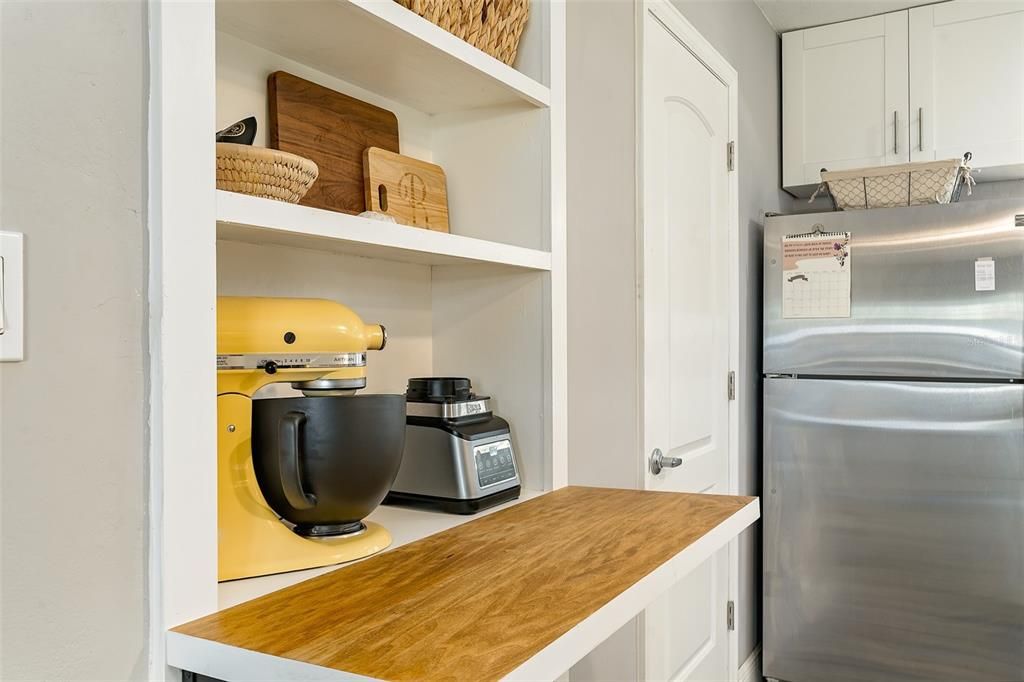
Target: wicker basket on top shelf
494, 26
267, 173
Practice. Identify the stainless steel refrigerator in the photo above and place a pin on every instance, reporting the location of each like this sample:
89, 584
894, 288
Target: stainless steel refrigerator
894, 451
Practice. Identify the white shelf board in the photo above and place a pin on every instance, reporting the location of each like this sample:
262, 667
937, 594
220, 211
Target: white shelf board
253, 220
383, 47
405, 525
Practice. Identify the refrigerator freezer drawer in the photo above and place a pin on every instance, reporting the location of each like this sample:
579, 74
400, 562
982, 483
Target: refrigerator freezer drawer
918, 305
894, 531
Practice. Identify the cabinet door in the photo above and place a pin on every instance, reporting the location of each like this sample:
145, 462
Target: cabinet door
844, 94
967, 82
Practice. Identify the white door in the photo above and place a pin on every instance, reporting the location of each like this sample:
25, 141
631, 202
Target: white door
967, 82
686, 304
844, 97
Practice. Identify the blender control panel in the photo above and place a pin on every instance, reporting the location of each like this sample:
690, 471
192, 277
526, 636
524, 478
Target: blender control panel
494, 463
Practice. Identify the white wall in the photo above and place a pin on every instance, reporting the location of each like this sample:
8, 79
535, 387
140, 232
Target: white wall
602, 312
72, 415
601, 192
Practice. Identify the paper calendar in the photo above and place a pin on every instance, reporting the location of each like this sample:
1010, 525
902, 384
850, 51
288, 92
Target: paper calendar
816, 275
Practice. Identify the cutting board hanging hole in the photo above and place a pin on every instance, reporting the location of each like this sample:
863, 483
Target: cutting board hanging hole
382, 197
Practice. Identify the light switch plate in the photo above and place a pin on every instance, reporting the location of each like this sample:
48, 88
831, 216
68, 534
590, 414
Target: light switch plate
12, 296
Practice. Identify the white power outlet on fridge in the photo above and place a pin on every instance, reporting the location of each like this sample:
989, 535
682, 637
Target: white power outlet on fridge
12, 296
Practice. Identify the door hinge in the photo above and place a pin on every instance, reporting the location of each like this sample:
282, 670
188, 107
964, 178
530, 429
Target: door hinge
730, 615
732, 385
730, 156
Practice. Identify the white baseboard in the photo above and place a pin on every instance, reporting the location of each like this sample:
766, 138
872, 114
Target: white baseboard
750, 671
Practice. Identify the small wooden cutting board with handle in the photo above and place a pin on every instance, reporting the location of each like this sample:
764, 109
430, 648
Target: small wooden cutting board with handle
332, 130
414, 192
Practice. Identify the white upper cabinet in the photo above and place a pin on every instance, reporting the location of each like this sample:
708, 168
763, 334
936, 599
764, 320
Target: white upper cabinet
967, 84
923, 84
844, 94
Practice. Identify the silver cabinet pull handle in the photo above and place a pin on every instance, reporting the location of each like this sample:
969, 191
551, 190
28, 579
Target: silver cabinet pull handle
895, 132
920, 129
659, 461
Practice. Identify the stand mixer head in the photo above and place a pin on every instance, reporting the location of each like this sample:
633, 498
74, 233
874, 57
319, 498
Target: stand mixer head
319, 347
298, 340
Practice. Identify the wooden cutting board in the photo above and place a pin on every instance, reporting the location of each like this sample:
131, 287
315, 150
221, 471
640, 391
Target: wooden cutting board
331, 129
414, 192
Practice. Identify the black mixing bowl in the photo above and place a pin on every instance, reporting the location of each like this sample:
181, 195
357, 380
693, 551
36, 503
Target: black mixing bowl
324, 463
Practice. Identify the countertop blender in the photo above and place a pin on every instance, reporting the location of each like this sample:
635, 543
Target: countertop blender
301, 459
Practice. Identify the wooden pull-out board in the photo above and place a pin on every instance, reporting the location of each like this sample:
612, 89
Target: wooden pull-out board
413, 192
331, 129
522, 593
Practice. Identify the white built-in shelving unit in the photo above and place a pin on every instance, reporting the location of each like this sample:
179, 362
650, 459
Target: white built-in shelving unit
486, 301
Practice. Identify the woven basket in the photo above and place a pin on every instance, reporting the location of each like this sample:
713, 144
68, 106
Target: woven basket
260, 172
908, 184
494, 26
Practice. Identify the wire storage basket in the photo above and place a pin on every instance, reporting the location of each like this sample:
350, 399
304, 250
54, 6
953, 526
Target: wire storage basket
494, 26
261, 172
908, 184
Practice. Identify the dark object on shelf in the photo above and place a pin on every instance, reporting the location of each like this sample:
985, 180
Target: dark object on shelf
458, 454
332, 130
324, 463
240, 132
440, 390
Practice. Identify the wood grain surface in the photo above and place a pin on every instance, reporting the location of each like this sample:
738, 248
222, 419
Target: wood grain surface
476, 601
414, 192
331, 129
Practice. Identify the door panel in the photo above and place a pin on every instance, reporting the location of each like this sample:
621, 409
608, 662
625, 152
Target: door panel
915, 308
685, 328
689, 658
694, 327
686, 246
967, 82
894, 527
844, 97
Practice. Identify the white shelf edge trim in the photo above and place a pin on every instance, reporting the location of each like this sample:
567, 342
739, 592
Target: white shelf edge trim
211, 659
414, 25
242, 665
285, 219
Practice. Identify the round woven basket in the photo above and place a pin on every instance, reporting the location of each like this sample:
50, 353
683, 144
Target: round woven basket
261, 172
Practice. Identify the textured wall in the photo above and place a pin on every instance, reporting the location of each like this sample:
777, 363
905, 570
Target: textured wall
72, 415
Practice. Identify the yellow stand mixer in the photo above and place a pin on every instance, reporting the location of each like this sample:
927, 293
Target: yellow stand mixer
318, 346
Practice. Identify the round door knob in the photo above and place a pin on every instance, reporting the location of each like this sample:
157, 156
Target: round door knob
659, 461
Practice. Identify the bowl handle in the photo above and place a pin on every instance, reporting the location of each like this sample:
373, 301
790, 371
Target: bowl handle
288, 451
